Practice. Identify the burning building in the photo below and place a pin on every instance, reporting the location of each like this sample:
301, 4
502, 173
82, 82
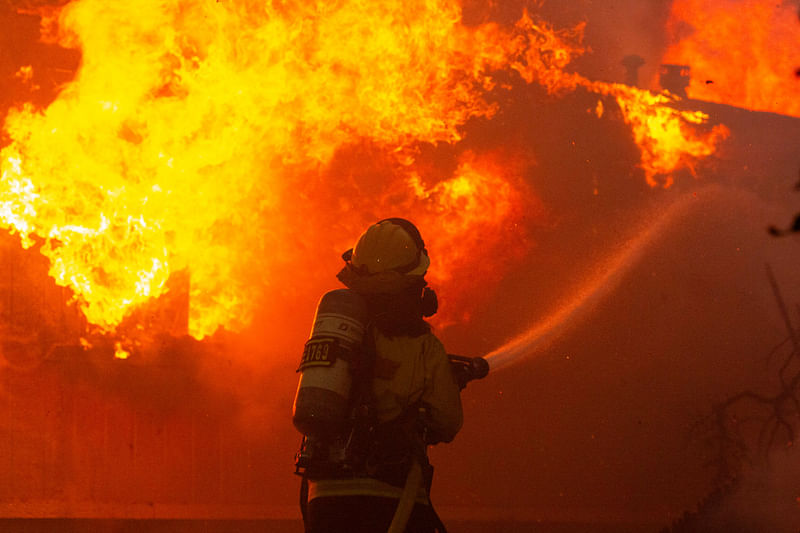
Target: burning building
179, 179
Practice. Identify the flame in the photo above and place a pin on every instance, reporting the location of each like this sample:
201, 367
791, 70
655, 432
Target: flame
24, 74
472, 218
741, 52
474, 221
120, 352
192, 128
668, 138
481, 194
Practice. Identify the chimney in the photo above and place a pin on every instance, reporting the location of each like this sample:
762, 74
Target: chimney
632, 64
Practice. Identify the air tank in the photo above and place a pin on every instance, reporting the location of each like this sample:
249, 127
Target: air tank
332, 350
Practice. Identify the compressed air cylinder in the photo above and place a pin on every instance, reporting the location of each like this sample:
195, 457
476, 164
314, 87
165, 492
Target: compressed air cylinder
334, 346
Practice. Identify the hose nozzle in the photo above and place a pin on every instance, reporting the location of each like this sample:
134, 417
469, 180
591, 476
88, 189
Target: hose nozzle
467, 369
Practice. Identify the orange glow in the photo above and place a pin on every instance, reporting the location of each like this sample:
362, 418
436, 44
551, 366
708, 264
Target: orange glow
741, 52
479, 195
193, 130
473, 224
472, 220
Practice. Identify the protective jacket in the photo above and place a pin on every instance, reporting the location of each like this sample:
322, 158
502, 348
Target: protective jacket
409, 372
403, 394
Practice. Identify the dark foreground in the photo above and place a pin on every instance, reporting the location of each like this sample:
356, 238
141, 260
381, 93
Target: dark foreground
58, 525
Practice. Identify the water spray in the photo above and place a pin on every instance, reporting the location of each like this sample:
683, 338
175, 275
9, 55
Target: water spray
605, 280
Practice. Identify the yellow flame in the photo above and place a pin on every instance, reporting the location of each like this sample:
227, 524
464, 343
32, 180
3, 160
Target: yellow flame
666, 136
179, 143
120, 352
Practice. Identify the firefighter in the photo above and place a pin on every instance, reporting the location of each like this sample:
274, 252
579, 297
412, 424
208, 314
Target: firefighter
404, 396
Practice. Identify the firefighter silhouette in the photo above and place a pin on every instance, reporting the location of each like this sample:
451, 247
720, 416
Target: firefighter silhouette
376, 393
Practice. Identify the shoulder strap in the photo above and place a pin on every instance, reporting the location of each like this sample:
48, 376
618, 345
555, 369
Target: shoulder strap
364, 371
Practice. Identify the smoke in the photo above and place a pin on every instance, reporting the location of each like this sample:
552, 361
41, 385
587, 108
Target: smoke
615, 30
765, 498
769, 497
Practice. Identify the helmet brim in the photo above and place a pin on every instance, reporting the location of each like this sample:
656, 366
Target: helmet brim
424, 263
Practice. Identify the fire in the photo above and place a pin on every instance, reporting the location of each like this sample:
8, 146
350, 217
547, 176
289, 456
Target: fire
472, 218
120, 352
25, 74
191, 127
485, 197
741, 52
478, 215
668, 137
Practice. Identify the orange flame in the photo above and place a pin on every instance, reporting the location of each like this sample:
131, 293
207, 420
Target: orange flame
741, 52
189, 124
475, 225
120, 352
667, 137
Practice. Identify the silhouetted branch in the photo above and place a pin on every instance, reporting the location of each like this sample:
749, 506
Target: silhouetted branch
775, 414
782, 305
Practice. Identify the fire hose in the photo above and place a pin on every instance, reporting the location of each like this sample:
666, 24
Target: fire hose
465, 369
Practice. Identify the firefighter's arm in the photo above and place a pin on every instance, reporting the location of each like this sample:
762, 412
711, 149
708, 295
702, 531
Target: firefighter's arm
441, 396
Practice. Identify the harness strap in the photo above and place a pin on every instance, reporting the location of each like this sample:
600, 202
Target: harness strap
304, 498
367, 436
